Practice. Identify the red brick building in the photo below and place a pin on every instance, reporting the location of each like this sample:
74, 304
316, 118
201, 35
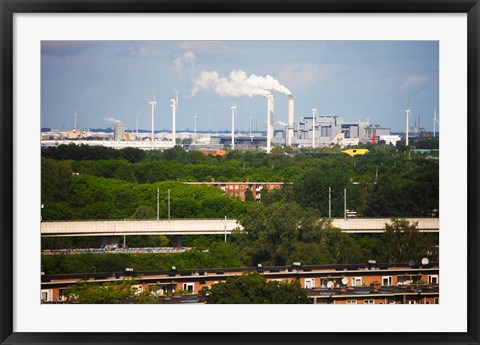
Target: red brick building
239, 189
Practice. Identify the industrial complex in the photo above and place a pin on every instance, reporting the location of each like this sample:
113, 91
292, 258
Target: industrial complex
311, 131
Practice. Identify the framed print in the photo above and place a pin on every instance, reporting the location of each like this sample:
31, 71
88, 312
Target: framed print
288, 161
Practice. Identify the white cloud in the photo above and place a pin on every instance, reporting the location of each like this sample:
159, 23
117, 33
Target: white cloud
237, 84
414, 80
185, 58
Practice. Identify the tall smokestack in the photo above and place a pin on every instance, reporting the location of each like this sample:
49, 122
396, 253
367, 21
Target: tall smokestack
290, 120
270, 110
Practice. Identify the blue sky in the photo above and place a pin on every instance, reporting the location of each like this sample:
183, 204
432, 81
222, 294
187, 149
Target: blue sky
353, 79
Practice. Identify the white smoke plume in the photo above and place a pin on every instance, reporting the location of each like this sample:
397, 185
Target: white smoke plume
281, 123
111, 119
238, 84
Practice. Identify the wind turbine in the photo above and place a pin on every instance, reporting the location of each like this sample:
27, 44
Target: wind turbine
314, 112
407, 113
435, 121
234, 110
174, 106
75, 114
138, 115
154, 108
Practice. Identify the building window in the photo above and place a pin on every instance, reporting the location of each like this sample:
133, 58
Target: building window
236, 186
188, 287
137, 289
62, 294
411, 302
409, 279
46, 296
433, 279
369, 301
386, 281
321, 301
309, 283
435, 300
357, 281
323, 282
351, 301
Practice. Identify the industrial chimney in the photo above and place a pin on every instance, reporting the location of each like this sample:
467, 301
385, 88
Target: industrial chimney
290, 120
270, 110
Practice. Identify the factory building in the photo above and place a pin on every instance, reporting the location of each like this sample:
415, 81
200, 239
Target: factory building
329, 129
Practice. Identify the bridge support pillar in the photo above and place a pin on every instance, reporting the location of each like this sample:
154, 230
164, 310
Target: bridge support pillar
177, 240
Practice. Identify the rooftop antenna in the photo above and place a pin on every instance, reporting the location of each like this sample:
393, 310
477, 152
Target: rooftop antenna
435, 121
314, 112
75, 114
195, 123
407, 113
174, 106
234, 109
154, 108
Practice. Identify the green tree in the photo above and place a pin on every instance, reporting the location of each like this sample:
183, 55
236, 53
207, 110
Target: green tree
403, 242
254, 289
122, 292
144, 212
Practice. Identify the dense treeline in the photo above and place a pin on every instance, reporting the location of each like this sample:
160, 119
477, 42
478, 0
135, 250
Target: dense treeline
91, 197
83, 182
219, 255
283, 233
377, 184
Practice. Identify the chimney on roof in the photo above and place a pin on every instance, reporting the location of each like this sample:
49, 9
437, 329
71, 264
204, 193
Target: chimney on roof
212, 180
248, 180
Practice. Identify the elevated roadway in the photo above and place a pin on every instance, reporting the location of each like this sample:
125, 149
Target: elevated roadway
204, 227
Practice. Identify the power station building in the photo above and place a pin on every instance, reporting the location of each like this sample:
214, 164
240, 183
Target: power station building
328, 129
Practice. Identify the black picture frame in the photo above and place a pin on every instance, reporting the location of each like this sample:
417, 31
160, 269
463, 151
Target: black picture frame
10, 7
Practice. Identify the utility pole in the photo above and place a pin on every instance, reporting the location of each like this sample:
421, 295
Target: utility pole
329, 202
169, 204
158, 204
345, 203
225, 228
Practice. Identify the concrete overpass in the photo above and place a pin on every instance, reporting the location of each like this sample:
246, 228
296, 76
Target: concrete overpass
204, 227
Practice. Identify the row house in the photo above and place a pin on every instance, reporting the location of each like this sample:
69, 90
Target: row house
326, 284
